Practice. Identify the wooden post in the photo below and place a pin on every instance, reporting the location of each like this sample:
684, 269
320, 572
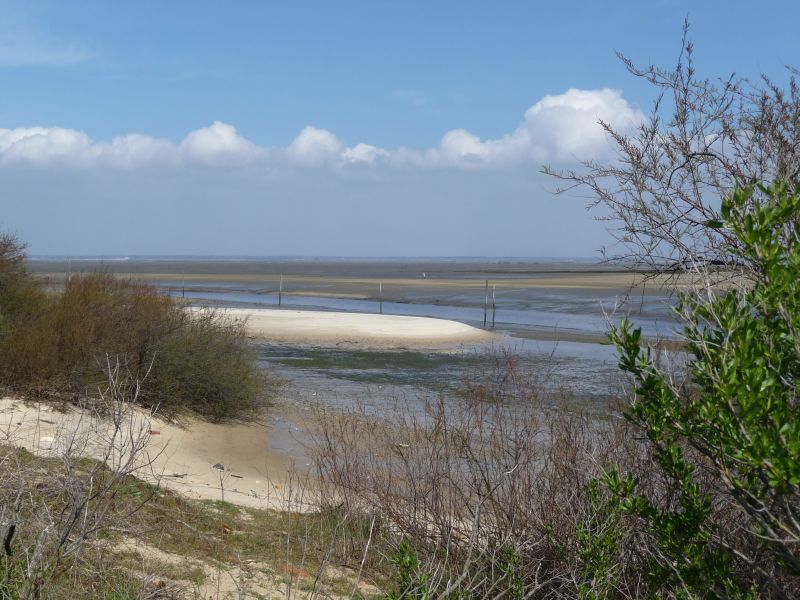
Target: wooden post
280, 292
183, 286
380, 295
486, 304
494, 305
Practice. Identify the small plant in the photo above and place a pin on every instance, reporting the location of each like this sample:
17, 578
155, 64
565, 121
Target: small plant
54, 510
411, 581
598, 546
510, 566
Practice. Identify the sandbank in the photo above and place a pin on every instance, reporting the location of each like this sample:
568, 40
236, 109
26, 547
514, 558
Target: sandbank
341, 328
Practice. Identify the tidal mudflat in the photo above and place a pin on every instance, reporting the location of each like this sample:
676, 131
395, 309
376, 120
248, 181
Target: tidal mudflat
550, 316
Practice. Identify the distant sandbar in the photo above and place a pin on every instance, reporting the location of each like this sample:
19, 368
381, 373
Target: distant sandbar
336, 328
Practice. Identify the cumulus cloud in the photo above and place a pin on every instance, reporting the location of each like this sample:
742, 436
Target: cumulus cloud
315, 146
219, 143
567, 125
134, 150
459, 146
557, 128
42, 145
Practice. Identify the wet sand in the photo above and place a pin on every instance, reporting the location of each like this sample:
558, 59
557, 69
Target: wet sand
294, 284
341, 277
535, 300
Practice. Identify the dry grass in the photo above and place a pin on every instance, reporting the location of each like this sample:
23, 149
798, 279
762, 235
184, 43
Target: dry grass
476, 484
494, 494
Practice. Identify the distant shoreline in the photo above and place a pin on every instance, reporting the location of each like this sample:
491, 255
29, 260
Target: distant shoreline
546, 301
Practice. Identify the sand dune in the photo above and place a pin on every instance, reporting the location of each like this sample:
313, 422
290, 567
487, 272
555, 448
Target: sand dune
185, 458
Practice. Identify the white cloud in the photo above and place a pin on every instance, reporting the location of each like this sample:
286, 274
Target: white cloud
364, 153
555, 129
558, 128
42, 146
136, 150
315, 146
566, 126
219, 143
459, 146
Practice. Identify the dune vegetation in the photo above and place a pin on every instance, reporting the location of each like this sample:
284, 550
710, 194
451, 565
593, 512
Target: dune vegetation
55, 344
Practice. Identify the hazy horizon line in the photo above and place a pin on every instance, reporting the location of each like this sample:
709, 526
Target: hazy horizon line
299, 257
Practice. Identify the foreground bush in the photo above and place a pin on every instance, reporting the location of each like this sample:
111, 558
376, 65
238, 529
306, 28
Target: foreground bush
737, 421
198, 362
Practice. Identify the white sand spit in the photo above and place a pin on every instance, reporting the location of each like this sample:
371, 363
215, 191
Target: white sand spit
334, 328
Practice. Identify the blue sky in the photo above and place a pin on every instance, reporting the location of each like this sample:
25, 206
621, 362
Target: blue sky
332, 128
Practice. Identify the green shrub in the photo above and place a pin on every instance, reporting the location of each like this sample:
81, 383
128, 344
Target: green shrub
411, 580
731, 436
598, 550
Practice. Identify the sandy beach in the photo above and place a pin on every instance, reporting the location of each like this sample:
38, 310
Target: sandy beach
340, 328
182, 457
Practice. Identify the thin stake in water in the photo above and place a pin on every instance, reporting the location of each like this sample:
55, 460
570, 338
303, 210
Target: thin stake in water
494, 305
486, 304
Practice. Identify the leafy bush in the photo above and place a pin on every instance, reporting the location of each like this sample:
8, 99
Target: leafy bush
206, 364
189, 361
411, 580
735, 424
509, 492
